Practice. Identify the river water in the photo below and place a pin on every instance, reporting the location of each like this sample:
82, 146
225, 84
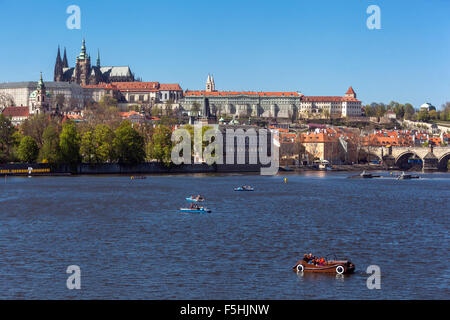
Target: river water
131, 242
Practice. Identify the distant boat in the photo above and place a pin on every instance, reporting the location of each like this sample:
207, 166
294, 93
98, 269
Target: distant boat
195, 199
194, 209
367, 175
138, 177
244, 188
285, 168
407, 176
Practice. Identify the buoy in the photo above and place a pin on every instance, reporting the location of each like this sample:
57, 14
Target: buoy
285, 180
131, 177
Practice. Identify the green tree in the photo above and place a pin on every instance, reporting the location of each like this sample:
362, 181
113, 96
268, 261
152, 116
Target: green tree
423, 115
160, 146
6, 138
35, 126
50, 151
69, 143
87, 147
408, 111
128, 144
104, 144
28, 150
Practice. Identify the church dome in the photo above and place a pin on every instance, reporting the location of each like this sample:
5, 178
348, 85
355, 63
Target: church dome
34, 94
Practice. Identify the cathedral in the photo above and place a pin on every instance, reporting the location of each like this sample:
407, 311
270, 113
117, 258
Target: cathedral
86, 74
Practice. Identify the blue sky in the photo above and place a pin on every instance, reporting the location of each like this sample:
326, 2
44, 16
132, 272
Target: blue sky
315, 47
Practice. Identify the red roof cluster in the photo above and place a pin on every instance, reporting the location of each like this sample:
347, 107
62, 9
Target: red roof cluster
137, 86
16, 112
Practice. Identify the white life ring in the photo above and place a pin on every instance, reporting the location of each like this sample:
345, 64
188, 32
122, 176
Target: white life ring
300, 268
340, 269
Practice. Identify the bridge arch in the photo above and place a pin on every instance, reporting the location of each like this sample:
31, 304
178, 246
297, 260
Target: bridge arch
443, 161
408, 159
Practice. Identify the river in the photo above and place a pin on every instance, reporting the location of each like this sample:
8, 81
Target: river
131, 242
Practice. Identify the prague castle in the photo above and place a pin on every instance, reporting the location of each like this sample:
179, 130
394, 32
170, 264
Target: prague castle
86, 74
289, 105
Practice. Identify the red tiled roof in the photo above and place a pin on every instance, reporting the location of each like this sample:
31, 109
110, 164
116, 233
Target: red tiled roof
16, 112
327, 99
350, 91
137, 85
170, 87
100, 86
236, 93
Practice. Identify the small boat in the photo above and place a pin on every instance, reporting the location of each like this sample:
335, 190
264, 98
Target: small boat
244, 188
138, 177
195, 210
331, 266
195, 199
406, 176
367, 175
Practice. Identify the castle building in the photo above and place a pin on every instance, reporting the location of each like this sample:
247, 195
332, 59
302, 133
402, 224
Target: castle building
242, 103
86, 74
331, 106
287, 105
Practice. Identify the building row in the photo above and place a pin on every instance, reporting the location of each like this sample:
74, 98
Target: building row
86, 82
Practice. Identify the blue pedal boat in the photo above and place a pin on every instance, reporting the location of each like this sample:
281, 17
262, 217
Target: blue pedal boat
195, 210
244, 188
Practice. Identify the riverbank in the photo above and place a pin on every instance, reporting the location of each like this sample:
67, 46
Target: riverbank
156, 169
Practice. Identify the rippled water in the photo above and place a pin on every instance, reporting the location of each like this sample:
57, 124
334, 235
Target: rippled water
132, 243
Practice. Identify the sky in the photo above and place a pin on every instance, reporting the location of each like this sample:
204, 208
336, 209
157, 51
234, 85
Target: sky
314, 47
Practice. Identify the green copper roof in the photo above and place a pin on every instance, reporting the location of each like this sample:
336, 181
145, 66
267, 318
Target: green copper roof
83, 54
40, 83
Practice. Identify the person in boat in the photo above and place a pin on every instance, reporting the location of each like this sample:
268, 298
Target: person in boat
306, 258
321, 262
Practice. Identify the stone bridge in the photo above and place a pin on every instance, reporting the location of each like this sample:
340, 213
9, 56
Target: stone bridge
433, 158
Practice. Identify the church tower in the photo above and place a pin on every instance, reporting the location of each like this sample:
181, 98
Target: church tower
58, 73
40, 100
82, 67
210, 85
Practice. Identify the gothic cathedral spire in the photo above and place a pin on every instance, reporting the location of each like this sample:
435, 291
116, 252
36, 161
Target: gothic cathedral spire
98, 58
65, 64
58, 73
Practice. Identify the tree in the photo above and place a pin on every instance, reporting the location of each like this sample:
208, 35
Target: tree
105, 111
409, 111
433, 114
28, 150
103, 140
423, 115
35, 126
160, 147
87, 147
69, 143
6, 138
128, 144
50, 151
6, 100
